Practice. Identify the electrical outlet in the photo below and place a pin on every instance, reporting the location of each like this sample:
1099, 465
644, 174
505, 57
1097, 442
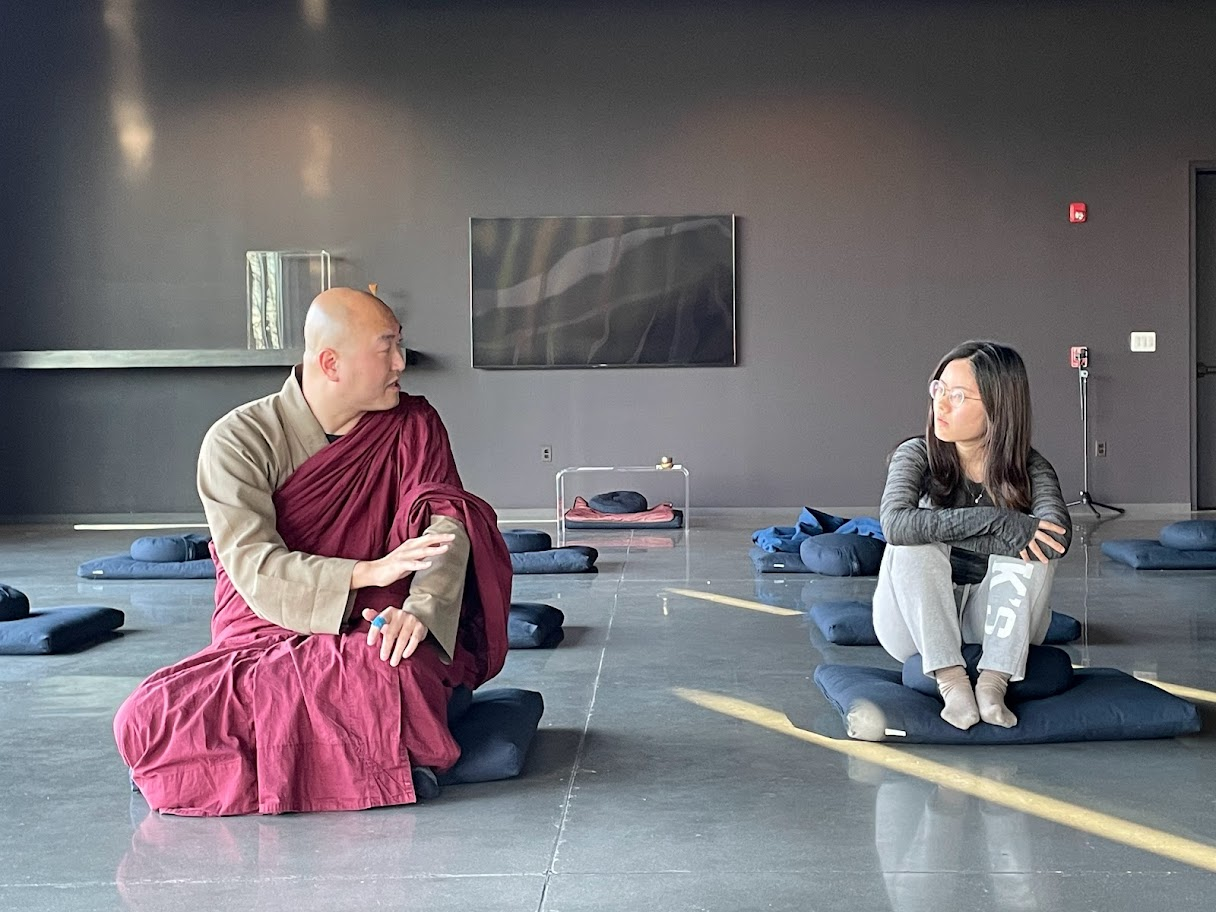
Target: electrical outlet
1100, 448
546, 453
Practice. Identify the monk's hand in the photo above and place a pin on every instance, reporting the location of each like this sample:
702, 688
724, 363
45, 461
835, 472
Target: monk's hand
399, 635
1044, 536
408, 557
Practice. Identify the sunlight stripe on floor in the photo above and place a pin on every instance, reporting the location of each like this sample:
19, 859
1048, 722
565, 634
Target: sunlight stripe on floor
1116, 829
1180, 690
734, 602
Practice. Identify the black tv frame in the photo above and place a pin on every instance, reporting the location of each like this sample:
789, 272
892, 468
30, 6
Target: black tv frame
722, 345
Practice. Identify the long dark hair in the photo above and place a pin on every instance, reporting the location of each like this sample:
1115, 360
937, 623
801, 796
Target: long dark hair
1001, 377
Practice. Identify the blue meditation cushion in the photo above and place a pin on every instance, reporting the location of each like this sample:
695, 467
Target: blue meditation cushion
520, 541
1063, 628
124, 567
845, 623
58, 630
171, 548
676, 522
458, 703
13, 604
1103, 704
1190, 535
776, 561
494, 732
1147, 554
836, 554
571, 559
618, 502
851, 623
532, 625
1048, 672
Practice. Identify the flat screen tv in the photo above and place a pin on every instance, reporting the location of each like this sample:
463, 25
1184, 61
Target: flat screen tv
603, 291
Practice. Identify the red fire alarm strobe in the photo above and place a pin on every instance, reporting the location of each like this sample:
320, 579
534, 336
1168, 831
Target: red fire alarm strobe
1076, 212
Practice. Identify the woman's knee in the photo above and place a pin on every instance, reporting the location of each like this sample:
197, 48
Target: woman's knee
917, 560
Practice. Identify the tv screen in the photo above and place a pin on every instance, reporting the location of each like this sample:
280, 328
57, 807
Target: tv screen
603, 291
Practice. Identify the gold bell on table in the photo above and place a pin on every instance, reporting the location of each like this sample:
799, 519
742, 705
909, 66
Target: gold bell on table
665, 462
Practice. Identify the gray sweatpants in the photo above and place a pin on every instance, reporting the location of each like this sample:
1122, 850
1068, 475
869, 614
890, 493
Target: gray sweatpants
917, 609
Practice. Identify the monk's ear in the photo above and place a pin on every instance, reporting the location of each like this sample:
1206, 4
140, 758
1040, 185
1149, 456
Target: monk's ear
327, 360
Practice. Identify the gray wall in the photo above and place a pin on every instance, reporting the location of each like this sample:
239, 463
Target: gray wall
901, 172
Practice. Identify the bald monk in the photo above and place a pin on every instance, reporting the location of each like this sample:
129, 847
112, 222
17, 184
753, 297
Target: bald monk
357, 585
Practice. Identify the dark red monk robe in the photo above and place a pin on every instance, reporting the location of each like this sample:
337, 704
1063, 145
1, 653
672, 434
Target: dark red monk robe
268, 720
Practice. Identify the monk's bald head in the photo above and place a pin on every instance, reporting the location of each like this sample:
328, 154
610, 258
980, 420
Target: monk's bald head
352, 357
339, 316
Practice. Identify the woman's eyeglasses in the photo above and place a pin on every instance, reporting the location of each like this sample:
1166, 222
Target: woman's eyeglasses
956, 395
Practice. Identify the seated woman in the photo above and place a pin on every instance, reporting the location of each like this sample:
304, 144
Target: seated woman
972, 516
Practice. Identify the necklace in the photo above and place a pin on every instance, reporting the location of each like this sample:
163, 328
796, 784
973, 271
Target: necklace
974, 491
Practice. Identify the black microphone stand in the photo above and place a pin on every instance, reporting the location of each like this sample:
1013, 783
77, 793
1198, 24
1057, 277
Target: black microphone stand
1085, 499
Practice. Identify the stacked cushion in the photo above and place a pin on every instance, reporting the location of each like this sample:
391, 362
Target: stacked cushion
1186, 545
1099, 704
571, 559
532, 551
601, 511
829, 554
1149, 554
156, 557
532, 625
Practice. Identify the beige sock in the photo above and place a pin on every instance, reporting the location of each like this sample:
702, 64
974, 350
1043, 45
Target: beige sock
990, 696
955, 688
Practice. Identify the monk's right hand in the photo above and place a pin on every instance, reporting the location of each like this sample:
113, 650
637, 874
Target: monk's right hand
410, 556
399, 632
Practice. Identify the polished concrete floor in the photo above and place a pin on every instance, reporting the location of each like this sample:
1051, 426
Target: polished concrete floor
643, 791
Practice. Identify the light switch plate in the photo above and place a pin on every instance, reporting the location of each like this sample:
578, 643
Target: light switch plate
1144, 342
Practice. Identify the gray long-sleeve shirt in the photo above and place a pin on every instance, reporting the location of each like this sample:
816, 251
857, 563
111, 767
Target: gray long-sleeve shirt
973, 531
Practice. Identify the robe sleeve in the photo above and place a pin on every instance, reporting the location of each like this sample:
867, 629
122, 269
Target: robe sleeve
437, 592
306, 593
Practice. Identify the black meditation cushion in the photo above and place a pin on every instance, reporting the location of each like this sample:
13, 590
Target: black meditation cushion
1149, 554
1102, 704
125, 567
532, 625
571, 559
1048, 672
851, 623
1190, 535
776, 561
520, 541
837, 554
167, 548
58, 630
494, 730
13, 604
618, 502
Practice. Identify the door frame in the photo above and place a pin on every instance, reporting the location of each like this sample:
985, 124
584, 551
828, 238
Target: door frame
1196, 167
